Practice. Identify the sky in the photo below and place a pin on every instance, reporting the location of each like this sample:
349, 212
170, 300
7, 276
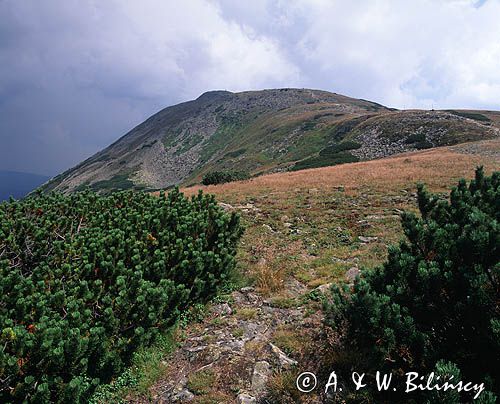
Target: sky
75, 75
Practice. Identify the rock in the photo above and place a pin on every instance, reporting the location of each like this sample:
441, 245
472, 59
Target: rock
352, 273
324, 288
247, 295
235, 346
245, 398
266, 226
196, 348
181, 384
367, 239
261, 373
238, 297
249, 207
294, 287
372, 217
284, 361
287, 224
252, 298
226, 206
183, 396
249, 329
364, 224
222, 309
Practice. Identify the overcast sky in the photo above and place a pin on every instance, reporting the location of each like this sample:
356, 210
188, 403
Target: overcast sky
75, 75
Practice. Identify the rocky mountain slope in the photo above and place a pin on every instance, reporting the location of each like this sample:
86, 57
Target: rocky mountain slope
266, 131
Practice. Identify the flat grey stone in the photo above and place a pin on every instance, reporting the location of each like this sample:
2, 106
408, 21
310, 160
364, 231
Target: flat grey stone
324, 288
245, 398
352, 273
183, 396
261, 373
222, 309
367, 239
284, 360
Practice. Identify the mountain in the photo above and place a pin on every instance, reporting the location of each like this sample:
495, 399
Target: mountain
267, 131
18, 184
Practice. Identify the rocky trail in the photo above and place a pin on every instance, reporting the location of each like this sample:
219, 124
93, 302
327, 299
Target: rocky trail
233, 349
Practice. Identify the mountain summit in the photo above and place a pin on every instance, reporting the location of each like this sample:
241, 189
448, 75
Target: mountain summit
266, 131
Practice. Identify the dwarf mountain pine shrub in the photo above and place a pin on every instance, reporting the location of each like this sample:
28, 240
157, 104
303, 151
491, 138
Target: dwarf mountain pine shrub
85, 280
221, 177
437, 296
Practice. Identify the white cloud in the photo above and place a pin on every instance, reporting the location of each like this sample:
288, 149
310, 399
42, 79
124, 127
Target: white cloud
398, 52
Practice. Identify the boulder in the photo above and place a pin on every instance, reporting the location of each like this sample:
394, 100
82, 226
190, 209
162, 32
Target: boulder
245, 398
261, 372
222, 310
323, 289
284, 361
366, 239
352, 273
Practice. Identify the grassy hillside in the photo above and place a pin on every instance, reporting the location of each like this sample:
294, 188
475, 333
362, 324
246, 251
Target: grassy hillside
304, 231
266, 131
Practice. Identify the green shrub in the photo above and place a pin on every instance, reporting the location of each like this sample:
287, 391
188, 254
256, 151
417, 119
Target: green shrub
340, 130
419, 141
415, 137
221, 177
236, 153
118, 182
437, 296
423, 145
86, 280
339, 147
471, 115
325, 160
308, 125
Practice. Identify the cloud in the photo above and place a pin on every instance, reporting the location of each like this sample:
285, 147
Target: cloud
77, 74
404, 54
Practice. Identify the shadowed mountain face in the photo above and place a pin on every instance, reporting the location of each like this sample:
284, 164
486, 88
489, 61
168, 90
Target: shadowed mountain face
17, 184
266, 131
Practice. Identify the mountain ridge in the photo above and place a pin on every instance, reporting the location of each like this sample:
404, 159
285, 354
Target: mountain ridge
266, 131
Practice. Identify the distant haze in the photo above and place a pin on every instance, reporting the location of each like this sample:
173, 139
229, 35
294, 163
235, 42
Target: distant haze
75, 75
17, 184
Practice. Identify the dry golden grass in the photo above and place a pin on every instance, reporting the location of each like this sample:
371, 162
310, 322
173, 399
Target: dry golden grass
327, 207
437, 168
268, 279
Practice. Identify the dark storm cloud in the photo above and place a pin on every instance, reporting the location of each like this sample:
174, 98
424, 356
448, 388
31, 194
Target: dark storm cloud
76, 75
